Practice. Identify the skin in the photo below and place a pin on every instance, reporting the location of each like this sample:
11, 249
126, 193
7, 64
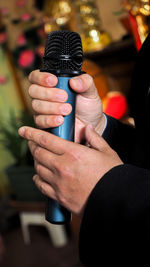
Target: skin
67, 171
49, 105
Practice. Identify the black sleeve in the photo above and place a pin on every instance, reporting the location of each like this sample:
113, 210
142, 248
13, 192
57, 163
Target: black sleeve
115, 226
116, 221
132, 144
121, 137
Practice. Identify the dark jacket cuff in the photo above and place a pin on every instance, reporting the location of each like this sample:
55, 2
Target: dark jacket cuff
118, 205
121, 137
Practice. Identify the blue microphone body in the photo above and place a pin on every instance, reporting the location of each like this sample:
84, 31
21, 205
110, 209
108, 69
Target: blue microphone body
66, 130
63, 58
55, 213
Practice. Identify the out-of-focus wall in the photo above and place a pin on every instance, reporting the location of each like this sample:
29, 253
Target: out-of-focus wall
10, 98
15, 29
110, 13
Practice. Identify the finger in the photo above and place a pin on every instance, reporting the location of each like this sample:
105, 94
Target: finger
84, 84
46, 174
46, 107
43, 78
32, 146
94, 139
46, 140
44, 187
48, 121
46, 158
48, 94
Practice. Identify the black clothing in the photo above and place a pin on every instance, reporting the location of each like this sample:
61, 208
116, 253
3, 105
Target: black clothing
116, 222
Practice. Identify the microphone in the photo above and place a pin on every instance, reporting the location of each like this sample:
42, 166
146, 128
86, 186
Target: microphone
63, 57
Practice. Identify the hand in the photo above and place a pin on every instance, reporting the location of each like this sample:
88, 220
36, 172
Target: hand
67, 171
49, 105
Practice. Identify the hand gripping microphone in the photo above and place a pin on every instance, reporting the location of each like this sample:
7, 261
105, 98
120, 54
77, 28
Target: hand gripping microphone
63, 58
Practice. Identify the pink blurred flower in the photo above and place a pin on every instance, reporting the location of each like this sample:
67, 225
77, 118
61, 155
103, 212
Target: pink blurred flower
26, 17
4, 11
21, 3
3, 79
26, 58
21, 40
2, 37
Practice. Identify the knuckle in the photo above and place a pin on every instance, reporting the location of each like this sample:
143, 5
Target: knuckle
47, 94
47, 121
59, 168
34, 104
89, 80
106, 149
31, 90
37, 105
42, 121
43, 140
34, 76
74, 155
36, 152
61, 199
36, 119
31, 76
42, 188
65, 171
28, 134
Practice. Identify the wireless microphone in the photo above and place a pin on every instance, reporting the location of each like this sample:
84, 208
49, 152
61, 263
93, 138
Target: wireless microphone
63, 57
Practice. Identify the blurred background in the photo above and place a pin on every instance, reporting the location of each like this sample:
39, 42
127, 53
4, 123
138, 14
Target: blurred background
112, 33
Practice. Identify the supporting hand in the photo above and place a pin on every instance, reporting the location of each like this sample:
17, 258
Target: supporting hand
67, 171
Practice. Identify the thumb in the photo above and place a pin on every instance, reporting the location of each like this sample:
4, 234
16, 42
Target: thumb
84, 85
94, 139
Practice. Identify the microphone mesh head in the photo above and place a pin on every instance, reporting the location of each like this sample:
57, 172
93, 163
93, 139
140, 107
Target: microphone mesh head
63, 51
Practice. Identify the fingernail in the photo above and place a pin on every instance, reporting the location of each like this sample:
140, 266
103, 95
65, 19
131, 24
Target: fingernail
77, 82
21, 131
59, 120
65, 109
49, 81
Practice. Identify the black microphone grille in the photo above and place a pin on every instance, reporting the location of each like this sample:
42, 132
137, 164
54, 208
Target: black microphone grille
63, 51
